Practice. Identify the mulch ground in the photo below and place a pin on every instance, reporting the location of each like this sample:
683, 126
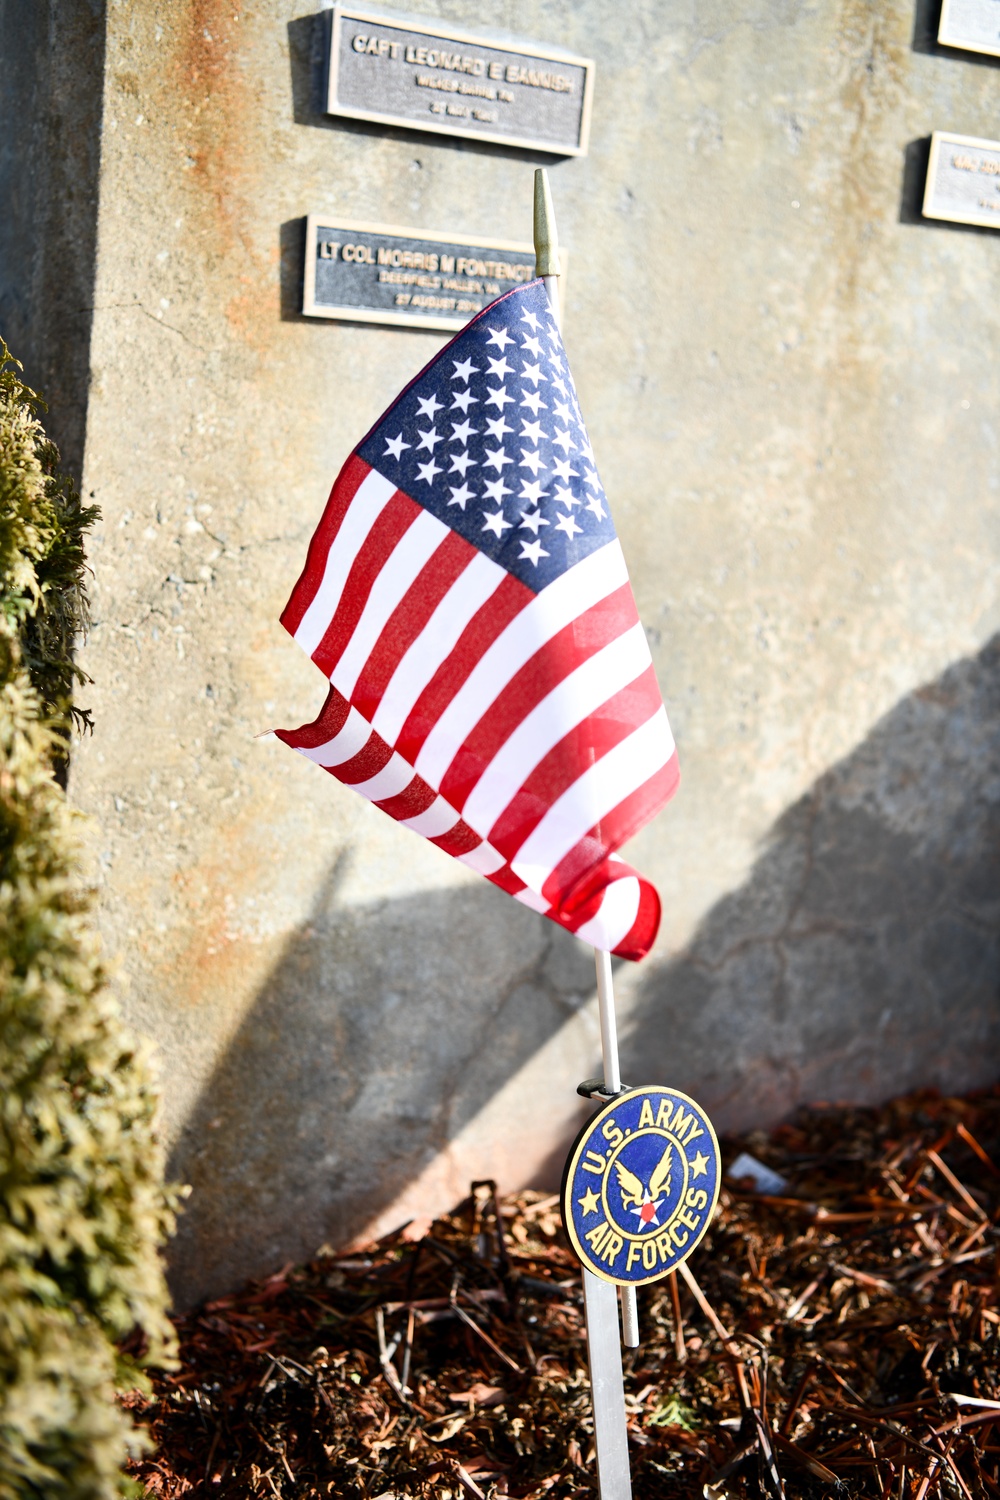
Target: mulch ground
841, 1338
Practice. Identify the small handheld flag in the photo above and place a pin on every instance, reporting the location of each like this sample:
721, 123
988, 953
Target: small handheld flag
466, 597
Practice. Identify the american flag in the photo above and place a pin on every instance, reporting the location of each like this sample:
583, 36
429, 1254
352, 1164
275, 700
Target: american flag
466, 597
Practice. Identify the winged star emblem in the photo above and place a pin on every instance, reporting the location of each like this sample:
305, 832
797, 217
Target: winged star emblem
645, 1202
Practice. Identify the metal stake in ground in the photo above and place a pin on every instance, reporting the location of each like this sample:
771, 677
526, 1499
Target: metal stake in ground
600, 1298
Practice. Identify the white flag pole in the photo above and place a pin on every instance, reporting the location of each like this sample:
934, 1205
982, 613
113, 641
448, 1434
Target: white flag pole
600, 1297
613, 1085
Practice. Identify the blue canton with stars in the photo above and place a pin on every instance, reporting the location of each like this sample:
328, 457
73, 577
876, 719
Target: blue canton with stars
490, 439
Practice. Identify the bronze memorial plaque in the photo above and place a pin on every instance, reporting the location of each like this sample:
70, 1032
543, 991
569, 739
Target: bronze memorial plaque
382, 273
428, 77
971, 24
963, 180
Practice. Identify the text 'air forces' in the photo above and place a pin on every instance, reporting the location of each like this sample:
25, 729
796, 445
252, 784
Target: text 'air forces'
641, 1185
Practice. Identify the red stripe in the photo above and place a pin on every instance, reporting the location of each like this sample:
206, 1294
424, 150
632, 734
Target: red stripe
373, 757
613, 722
574, 644
576, 911
506, 601
458, 840
345, 487
642, 934
413, 799
392, 523
620, 824
332, 718
409, 617
507, 880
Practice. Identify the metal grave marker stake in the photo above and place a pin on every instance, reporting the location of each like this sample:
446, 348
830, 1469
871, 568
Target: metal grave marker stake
384, 273
973, 25
426, 76
963, 180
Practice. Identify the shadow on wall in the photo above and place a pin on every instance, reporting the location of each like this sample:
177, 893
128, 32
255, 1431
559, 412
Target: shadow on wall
380, 1034
861, 957
51, 104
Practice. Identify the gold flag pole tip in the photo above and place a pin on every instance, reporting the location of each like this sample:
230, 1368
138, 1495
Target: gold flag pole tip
545, 237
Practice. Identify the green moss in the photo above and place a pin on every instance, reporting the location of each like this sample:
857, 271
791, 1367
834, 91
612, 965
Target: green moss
83, 1208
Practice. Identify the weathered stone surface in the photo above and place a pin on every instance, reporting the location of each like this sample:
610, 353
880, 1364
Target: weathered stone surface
790, 382
50, 149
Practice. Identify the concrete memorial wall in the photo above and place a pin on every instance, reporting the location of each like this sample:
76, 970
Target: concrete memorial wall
791, 384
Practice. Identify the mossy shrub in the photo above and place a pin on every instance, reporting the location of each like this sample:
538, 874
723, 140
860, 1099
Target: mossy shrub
83, 1207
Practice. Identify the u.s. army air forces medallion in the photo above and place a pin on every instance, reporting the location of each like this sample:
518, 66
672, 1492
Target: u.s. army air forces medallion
641, 1185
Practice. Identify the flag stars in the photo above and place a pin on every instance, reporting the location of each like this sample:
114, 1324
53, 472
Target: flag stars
533, 490
533, 552
427, 471
428, 406
507, 457
531, 519
568, 524
494, 521
495, 489
460, 462
496, 427
460, 495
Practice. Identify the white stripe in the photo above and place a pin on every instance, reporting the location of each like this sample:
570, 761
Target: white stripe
532, 899
370, 499
482, 858
353, 737
414, 548
614, 918
435, 820
592, 796
393, 778
575, 698
435, 642
567, 597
